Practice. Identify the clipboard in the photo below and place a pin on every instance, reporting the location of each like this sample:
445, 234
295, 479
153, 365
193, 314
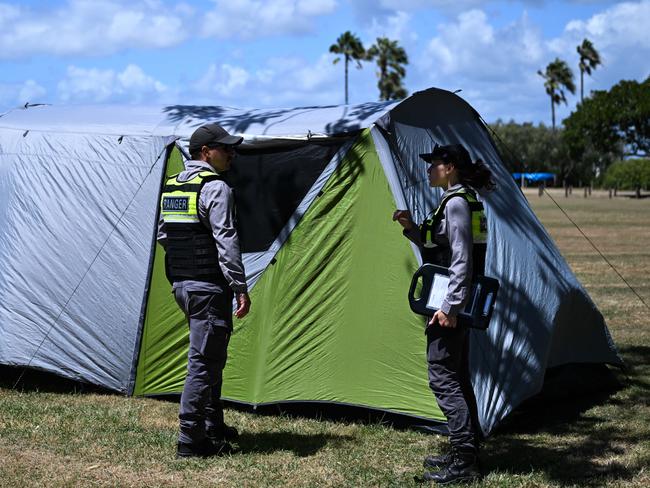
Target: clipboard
434, 280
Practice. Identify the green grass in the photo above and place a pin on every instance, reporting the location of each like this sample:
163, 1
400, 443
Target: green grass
53, 436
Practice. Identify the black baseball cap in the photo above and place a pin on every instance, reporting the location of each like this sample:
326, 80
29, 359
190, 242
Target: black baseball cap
452, 153
212, 135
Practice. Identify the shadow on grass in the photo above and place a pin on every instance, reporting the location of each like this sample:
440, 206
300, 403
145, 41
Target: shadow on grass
344, 414
33, 380
301, 445
551, 433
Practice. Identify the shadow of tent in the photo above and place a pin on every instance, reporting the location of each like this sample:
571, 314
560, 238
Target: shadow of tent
559, 411
352, 114
301, 445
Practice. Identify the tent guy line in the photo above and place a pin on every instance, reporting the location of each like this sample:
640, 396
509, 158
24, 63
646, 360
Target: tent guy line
597, 250
574, 223
83, 277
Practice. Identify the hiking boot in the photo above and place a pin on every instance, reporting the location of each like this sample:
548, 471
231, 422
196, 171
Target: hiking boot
225, 433
204, 448
437, 462
463, 468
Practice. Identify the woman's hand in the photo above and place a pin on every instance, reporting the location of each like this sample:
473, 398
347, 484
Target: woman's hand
443, 320
404, 219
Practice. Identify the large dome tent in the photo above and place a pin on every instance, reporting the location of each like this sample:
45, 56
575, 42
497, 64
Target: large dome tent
82, 286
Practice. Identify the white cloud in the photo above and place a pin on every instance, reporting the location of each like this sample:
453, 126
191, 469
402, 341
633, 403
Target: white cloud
369, 11
496, 66
222, 81
471, 48
31, 91
87, 28
395, 27
281, 82
93, 85
13, 94
457, 5
620, 31
248, 19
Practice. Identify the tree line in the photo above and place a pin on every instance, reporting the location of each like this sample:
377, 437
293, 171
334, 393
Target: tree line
604, 140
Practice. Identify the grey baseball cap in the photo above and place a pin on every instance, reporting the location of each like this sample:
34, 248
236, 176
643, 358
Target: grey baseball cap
212, 135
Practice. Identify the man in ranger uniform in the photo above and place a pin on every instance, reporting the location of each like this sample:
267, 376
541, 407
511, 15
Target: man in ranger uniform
203, 263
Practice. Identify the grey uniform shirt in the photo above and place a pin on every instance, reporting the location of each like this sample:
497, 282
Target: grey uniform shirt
216, 212
455, 231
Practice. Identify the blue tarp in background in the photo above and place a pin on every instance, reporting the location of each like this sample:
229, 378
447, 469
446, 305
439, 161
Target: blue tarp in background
534, 176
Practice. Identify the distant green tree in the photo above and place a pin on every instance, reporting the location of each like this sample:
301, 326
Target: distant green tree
609, 126
351, 48
390, 58
557, 78
633, 174
526, 147
589, 60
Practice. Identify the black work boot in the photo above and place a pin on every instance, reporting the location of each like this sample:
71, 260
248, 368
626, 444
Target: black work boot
437, 462
204, 448
463, 468
223, 433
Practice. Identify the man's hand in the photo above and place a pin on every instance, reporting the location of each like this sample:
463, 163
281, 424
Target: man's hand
443, 320
404, 219
243, 305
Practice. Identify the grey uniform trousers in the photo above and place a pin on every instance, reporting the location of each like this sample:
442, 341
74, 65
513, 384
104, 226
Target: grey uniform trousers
449, 379
210, 321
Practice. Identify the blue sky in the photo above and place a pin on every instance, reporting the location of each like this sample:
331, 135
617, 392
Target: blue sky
274, 53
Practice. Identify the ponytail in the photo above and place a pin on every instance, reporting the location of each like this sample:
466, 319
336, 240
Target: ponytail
476, 175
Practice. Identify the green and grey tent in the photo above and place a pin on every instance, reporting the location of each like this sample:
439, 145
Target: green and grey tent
83, 291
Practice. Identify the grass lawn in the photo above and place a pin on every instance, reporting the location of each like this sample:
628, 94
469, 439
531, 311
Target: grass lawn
53, 436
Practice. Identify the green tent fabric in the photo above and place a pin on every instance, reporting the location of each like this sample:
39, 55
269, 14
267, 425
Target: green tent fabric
330, 321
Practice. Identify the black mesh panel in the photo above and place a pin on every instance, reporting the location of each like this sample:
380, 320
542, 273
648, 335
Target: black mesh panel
269, 185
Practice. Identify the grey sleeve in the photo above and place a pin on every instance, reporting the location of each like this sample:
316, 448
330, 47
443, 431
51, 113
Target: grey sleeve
459, 233
217, 207
162, 235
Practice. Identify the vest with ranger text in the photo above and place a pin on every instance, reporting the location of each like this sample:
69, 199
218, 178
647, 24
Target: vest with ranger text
191, 252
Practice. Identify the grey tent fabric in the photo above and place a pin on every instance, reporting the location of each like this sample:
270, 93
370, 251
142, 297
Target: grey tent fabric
75, 241
78, 204
543, 317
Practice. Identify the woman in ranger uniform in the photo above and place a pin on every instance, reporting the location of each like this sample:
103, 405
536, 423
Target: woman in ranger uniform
453, 236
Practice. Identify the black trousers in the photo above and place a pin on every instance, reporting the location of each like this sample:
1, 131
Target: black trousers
210, 320
449, 379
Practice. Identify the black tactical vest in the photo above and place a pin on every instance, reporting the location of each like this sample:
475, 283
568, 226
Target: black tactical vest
191, 252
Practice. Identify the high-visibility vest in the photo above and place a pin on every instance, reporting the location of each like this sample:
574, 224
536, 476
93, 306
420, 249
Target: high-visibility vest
440, 254
191, 252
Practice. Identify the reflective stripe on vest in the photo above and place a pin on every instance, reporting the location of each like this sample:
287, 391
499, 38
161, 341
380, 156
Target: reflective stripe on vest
479, 221
179, 202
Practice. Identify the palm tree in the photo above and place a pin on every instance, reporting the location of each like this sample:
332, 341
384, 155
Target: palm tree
390, 60
589, 60
351, 48
557, 78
